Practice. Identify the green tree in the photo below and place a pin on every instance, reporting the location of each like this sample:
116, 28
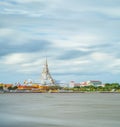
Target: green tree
1, 87
112, 86
14, 87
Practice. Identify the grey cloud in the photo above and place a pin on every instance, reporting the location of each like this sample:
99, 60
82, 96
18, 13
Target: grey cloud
72, 54
78, 73
108, 47
29, 8
32, 46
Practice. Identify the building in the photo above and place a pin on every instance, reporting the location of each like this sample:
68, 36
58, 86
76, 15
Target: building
94, 83
82, 84
7, 86
74, 84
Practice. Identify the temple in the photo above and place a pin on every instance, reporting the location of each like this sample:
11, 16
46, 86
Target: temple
46, 78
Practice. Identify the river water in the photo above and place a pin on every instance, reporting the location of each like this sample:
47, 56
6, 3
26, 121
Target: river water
60, 110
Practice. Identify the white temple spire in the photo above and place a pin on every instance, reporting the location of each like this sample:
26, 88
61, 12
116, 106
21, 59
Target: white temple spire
46, 78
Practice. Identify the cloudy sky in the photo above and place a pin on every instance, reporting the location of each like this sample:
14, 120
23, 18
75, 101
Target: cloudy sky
81, 39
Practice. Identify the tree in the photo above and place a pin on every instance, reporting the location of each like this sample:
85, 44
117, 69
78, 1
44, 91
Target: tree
1, 87
14, 87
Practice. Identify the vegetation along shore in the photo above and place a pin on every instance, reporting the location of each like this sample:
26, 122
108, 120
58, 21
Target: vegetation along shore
108, 88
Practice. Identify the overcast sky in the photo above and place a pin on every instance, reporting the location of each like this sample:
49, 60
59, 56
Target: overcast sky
81, 39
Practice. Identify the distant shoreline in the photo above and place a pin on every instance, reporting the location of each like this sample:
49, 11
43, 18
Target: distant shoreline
67, 92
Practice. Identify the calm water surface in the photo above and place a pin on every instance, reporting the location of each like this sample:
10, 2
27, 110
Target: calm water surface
60, 110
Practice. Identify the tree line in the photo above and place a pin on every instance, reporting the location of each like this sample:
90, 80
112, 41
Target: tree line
110, 87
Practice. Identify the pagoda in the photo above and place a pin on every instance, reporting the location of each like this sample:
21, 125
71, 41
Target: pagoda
46, 78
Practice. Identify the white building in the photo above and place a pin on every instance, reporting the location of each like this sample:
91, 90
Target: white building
73, 84
86, 83
94, 83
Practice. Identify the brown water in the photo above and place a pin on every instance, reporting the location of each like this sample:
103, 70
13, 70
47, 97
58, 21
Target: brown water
60, 110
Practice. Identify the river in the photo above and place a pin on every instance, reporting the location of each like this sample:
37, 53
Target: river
60, 110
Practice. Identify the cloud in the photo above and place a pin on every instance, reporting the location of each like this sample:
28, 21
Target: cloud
71, 54
5, 32
30, 46
39, 7
15, 58
80, 38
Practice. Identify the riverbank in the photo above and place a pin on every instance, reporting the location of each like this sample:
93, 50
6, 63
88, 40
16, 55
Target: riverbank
4, 92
